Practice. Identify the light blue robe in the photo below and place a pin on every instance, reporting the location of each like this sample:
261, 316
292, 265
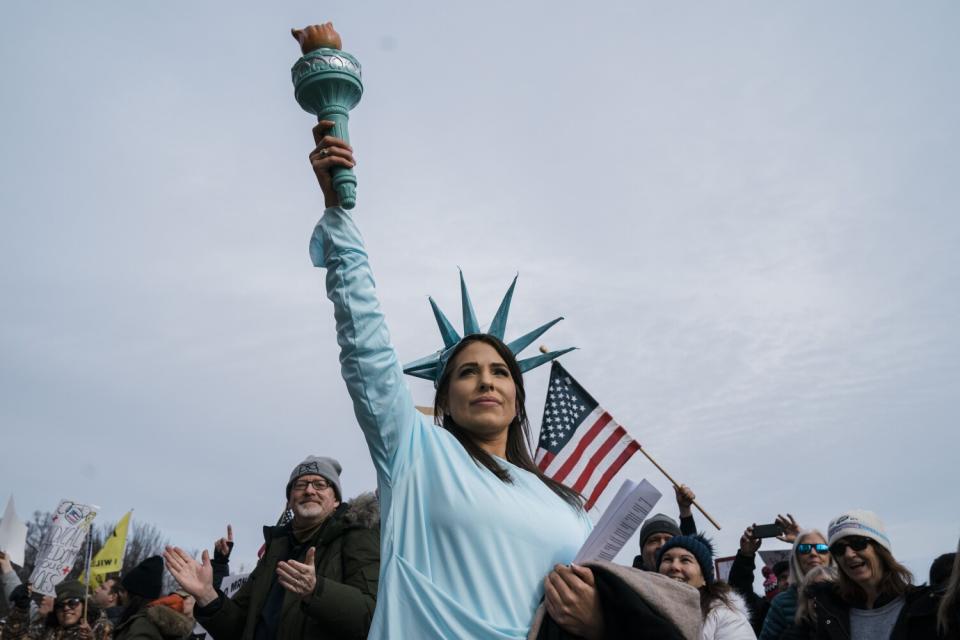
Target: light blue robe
463, 554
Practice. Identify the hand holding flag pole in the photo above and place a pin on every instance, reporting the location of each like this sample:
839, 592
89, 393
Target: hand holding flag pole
578, 438
674, 483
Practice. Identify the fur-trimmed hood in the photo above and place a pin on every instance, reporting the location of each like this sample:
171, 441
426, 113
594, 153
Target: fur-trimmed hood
170, 623
156, 621
363, 511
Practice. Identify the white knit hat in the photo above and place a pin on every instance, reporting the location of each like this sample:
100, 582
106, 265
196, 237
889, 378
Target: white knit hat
859, 522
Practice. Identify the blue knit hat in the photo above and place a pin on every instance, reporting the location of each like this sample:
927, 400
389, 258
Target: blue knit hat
701, 548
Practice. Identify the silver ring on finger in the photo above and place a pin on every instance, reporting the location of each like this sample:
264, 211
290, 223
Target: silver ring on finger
324, 152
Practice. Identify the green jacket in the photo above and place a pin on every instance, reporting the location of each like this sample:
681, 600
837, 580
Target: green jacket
348, 568
155, 623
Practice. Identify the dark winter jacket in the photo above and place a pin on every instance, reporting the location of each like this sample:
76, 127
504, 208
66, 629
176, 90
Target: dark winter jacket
780, 617
687, 528
917, 620
633, 600
348, 566
741, 579
155, 623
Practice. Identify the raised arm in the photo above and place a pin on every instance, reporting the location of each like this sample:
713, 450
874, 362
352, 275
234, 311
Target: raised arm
368, 361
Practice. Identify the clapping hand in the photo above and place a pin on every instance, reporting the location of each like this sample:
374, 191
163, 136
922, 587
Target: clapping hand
5, 565
194, 578
299, 577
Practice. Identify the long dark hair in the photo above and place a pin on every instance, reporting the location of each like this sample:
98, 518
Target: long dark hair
714, 591
947, 615
895, 582
518, 433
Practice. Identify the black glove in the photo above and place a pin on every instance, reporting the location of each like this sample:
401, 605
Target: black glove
20, 597
222, 558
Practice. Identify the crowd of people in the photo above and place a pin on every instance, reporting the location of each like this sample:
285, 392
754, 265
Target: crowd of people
467, 538
318, 576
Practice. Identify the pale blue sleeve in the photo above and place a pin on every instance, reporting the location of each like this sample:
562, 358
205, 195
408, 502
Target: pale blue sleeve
368, 361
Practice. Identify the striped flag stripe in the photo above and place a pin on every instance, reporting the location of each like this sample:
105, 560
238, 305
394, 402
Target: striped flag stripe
599, 455
585, 441
632, 447
585, 459
544, 458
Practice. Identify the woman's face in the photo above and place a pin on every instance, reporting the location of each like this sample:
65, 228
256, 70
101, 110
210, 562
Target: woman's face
68, 612
481, 396
681, 565
863, 567
814, 558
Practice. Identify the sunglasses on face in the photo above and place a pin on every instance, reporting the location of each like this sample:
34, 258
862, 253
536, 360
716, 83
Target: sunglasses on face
67, 604
856, 543
805, 547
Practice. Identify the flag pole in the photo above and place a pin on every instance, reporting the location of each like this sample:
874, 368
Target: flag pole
674, 483
86, 590
544, 349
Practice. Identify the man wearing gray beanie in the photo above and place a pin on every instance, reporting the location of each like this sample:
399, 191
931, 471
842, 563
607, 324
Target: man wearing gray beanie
317, 577
659, 528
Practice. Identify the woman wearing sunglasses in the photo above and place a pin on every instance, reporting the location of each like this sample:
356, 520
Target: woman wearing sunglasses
873, 598
65, 622
810, 551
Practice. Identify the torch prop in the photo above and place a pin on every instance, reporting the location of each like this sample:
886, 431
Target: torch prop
327, 83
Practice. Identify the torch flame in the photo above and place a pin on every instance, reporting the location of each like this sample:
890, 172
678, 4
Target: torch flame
317, 36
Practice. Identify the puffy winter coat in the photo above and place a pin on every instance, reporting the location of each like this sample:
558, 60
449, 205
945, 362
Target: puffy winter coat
728, 621
781, 615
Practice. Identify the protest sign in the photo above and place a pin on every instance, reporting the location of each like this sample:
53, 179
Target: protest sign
722, 566
231, 584
771, 557
13, 535
58, 549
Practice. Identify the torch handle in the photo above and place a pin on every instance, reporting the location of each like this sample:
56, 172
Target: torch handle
344, 179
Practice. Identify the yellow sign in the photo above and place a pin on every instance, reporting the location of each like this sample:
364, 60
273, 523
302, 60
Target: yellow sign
110, 557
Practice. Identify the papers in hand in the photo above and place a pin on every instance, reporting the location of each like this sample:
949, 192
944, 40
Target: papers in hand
619, 522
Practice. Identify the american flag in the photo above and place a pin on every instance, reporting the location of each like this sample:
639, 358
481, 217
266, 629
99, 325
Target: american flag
580, 445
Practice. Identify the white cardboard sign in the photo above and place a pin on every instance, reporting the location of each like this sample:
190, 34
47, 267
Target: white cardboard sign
58, 549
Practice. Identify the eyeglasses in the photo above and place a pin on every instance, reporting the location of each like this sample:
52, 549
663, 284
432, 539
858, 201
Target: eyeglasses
857, 543
69, 603
318, 485
805, 547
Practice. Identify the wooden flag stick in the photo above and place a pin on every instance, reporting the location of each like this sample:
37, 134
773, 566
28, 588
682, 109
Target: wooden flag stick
544, 349
674, 483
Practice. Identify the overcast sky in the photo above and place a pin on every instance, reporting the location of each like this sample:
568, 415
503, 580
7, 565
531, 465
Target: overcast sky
746, 211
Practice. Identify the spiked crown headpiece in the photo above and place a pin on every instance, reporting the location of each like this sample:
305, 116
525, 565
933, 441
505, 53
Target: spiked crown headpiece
431, 367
